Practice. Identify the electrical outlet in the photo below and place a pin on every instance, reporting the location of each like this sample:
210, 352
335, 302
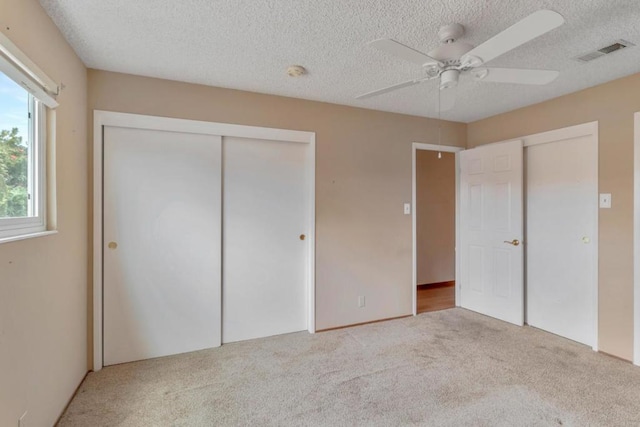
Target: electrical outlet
22, 422
407, 208
361, 301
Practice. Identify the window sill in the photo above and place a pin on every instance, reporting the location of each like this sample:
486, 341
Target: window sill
27, 236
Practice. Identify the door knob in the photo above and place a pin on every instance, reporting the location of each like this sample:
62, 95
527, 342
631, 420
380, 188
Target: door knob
302, 237
112, 245
585, 239
514, 242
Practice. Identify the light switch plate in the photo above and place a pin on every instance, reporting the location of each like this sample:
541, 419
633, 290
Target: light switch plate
605, 200
407, 208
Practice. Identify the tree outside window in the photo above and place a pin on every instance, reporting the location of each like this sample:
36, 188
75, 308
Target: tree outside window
14, 149
14, 197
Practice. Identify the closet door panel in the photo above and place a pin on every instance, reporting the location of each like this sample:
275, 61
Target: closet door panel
162, 243
265, 222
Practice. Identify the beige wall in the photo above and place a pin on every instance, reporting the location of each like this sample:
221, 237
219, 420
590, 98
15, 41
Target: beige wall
363, 176
612, 105
435, 216
43, 281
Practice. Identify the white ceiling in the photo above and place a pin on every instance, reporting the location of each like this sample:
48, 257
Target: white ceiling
248, 44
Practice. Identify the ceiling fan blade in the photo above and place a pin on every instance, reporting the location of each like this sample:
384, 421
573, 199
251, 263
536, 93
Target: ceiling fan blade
389, 89
531, 27
447, 98
401, 51
515, 75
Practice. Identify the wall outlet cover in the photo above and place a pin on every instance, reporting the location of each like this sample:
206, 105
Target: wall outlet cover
361, 302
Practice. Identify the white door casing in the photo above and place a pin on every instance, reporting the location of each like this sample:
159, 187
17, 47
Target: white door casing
491, 230
636, 239
264, 243
162, 238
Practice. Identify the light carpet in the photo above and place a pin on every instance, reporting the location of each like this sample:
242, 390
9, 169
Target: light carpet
447, 368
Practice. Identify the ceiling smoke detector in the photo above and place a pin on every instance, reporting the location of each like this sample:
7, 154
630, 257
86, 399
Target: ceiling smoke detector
296, 71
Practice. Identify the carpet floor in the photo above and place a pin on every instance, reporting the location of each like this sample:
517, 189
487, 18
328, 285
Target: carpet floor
445, 368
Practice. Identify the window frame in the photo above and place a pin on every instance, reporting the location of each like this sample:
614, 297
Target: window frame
36, 222
17, 66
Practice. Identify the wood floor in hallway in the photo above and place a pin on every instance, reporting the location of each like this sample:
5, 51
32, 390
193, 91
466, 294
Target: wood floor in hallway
436, 296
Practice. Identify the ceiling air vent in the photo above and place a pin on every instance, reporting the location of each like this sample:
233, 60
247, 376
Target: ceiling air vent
617, 45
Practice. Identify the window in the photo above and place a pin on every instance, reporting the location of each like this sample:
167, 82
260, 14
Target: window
22, 162
25, 91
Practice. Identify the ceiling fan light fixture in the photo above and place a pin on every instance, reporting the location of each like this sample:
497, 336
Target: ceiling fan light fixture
449, 79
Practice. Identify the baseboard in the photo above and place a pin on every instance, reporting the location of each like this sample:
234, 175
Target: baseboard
71, 398
622, 359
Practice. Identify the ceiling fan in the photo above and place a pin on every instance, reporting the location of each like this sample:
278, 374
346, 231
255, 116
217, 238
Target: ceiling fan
454, 57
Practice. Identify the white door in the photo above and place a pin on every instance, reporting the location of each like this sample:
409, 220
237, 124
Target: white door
162, 243
265, 219
491, 231
562, 187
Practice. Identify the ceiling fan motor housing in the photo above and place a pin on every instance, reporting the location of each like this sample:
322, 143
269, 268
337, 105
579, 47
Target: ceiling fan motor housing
450, 52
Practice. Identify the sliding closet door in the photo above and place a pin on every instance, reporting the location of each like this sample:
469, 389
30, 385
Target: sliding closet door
562, 233
162, 243
265, 251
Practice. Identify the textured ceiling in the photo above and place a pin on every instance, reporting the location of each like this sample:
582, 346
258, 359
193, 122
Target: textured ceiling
248, 44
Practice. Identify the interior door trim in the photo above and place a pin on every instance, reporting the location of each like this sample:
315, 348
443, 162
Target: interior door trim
636, 239
126, 120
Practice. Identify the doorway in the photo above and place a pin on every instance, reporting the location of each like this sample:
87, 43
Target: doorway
434, 227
